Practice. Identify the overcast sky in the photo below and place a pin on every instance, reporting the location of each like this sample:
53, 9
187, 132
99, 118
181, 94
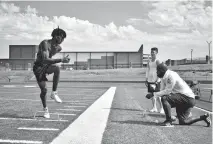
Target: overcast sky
174, 27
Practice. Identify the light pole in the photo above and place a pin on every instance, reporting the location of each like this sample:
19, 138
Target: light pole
209, 44
191, 55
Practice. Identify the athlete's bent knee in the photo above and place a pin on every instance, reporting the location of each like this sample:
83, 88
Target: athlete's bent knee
57, 69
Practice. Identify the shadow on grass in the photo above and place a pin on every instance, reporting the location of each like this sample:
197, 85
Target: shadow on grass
147, 123
10, 115
123, 109
156, 115
152, 123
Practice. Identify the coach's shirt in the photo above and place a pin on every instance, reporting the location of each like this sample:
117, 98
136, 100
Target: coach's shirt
173, 83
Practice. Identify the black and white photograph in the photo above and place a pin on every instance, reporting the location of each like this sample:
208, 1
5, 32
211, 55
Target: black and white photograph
106, 72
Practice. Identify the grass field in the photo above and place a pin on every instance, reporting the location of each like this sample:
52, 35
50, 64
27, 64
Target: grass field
125, 124
15, 76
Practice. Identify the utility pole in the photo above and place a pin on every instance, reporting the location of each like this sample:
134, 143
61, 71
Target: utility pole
191, 55
209, 45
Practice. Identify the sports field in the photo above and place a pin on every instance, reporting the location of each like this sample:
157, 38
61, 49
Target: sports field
101, 110
20, 103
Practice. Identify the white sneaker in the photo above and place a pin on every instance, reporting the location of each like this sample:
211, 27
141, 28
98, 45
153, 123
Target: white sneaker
154, 110
54, 95
162, 111
46, 113
190, 114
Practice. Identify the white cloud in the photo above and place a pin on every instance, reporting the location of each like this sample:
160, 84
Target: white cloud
137, 21
182, 14
29, 28
9, 8
30, 10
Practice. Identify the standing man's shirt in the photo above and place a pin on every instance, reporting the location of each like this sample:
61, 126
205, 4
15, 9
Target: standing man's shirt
151, 72
173, 83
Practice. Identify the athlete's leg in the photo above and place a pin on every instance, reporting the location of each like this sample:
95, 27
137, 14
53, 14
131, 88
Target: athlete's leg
56, 75
43, 93
55, 69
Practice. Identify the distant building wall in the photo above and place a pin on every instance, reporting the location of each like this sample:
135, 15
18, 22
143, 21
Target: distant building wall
135, 60
122, 60
22, 51
200, 60
21, 55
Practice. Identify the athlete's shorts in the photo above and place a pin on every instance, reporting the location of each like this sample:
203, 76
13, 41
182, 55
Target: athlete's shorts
40, 71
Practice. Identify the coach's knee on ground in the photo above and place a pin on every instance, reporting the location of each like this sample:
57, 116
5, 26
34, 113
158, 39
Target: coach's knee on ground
183, 121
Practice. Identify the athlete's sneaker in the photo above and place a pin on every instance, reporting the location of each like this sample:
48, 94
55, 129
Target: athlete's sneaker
54, 95
206, 119
46, 113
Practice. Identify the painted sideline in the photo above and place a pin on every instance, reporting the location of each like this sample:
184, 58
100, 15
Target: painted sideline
94, 118
203, 110
20, 141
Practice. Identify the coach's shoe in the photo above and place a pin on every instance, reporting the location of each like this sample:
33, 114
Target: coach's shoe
167, 123
54, 95
206, 119
46, 113
173, 118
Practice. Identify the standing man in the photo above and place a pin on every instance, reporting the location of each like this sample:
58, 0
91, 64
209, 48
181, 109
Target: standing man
44, 64
152, 79
177, 94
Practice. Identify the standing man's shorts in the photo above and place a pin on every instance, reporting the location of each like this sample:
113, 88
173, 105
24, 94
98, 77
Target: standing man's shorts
183, 104
153, 87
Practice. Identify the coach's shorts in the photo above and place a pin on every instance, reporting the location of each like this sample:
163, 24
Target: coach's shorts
183, 104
